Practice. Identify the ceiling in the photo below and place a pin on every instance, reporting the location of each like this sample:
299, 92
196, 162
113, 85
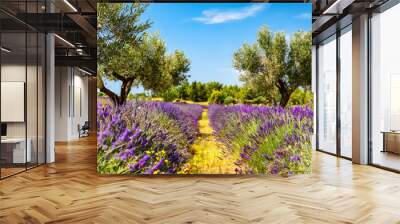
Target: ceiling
330, 13
73, 21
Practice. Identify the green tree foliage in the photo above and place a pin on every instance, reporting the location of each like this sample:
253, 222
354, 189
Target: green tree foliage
201, 92
229, 100
195, 91
131, 96
210, 86
198, 92
259, 100
273, 67
126, 52
170, 95
225, 94
184, 90
231, 90
217, 97
245, 94
137, 96
301, 97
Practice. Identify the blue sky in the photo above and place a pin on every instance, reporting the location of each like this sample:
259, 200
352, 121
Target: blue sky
209, 33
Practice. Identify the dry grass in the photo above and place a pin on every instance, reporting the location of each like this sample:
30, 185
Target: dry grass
192, 102
209, 156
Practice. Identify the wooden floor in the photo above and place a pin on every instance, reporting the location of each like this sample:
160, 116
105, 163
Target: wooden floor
5, 172
70, 191
386, 159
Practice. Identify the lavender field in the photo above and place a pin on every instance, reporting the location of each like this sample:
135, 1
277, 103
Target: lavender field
195, 97
145, 137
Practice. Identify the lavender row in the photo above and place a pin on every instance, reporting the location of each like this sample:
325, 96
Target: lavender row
145, 137
265, 139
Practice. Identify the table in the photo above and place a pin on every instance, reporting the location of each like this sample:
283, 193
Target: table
391, 141
13, 150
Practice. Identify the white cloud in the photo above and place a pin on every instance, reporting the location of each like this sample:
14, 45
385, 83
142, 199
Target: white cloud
215, 16
305, 15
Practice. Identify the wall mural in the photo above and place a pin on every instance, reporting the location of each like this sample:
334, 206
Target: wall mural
229, 95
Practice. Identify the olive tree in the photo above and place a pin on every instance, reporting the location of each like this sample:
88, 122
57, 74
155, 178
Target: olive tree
126, 52
273, 67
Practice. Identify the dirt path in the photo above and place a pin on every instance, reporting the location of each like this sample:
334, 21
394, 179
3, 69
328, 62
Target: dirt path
209, 156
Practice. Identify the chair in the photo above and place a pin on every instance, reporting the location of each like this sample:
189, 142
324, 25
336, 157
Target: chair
84, 130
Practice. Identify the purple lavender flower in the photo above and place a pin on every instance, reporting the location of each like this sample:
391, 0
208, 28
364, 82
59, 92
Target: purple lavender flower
229, 124
275, 169
156, 167
143, 160
129, 131
125, 135
279, 154
122, 156
245, 156
295, 158
139, 165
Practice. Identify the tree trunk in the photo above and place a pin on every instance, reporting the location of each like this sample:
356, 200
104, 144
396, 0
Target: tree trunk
103, 88
284, 99
125, 89
285, 93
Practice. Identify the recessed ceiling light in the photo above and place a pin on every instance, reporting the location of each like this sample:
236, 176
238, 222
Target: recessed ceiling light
64, 40
337, 7
5, 50
84, 71
70, 5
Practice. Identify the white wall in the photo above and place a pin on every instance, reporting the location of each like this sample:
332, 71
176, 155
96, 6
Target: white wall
80, 109
33, 126
13, 101
71, 102
62, 81
11, 73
